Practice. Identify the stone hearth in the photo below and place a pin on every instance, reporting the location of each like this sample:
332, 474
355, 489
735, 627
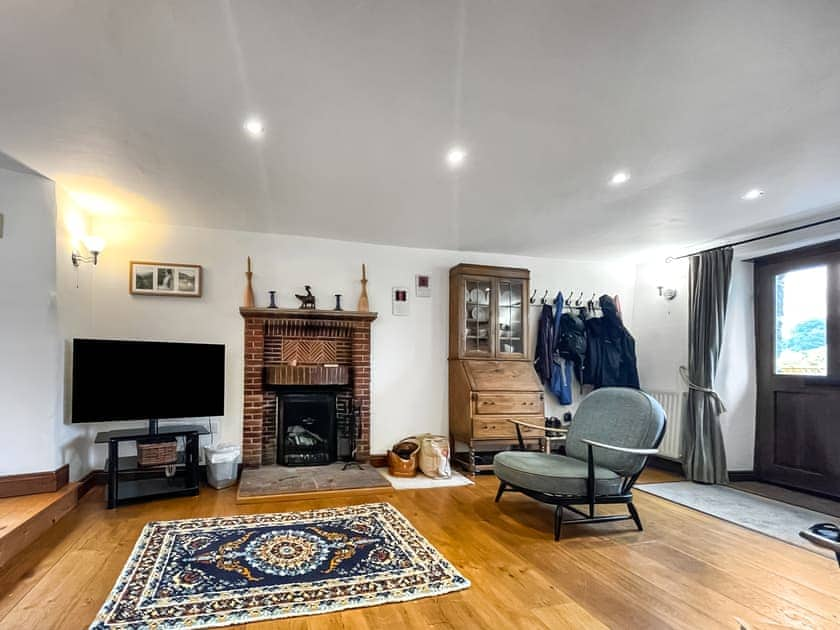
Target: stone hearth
287, 348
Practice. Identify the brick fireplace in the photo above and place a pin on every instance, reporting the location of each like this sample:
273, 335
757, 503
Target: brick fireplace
286, 350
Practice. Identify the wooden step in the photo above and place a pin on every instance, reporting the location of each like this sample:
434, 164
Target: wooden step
24, 519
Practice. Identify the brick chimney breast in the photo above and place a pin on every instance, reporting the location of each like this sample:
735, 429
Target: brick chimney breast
290, 347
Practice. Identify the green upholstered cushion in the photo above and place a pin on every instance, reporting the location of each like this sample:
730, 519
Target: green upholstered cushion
553, 474
620, 417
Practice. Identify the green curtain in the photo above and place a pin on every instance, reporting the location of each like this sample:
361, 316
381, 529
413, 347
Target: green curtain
709, 278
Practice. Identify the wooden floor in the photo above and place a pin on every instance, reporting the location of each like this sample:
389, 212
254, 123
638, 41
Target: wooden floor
686, 570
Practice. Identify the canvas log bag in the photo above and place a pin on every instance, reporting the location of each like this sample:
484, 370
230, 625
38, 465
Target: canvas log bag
434, 456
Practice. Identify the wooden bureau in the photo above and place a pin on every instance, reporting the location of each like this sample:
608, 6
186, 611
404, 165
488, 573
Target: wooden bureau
491, 377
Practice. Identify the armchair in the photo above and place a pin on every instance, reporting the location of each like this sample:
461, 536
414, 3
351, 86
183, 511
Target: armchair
607, 446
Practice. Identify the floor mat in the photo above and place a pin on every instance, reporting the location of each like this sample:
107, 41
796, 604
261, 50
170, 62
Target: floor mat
422, 482
792, 497
766, 516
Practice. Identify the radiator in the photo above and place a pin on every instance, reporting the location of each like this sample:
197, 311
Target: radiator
674, 404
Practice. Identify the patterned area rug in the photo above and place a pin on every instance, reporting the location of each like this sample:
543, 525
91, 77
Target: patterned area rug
212, 572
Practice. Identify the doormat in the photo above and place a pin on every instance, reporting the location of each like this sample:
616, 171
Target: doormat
213, 572
765, 516
791, 497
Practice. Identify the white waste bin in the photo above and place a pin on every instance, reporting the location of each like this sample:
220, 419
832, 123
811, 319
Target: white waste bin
222, 463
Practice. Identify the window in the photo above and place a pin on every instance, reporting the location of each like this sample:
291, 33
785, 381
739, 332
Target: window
801, 307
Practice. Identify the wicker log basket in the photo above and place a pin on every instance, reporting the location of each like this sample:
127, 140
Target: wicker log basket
402, 458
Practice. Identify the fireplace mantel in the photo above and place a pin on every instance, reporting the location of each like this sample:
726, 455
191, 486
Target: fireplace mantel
289, 347
307, 314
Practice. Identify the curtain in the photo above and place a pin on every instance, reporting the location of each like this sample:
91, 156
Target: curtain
709, 278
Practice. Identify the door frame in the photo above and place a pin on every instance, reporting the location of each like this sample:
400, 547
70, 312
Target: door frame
765, 269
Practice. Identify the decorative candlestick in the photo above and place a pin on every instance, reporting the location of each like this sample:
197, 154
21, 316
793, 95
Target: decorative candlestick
272, 303
364, 306
338, 302
248, 301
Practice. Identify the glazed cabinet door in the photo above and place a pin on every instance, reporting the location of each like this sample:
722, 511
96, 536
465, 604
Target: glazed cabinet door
477, 317
511, 318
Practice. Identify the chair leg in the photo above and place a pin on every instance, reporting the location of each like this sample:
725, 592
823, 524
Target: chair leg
635, 514
558, 521
502, 487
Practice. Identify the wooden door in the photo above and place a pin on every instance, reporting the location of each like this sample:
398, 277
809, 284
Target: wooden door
798, 364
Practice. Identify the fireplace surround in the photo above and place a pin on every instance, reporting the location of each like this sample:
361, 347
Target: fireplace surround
289, 351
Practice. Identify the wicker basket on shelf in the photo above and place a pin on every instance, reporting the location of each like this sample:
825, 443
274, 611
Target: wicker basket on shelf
157, 453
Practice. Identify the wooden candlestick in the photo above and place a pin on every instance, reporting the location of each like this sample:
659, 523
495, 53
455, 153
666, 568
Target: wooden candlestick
248, 301
364, 306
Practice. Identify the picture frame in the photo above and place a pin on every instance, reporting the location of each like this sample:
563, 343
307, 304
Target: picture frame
164, 279
399, 300
422, 285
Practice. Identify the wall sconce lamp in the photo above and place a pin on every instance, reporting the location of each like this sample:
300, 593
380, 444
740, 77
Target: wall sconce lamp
94, 245
668, 294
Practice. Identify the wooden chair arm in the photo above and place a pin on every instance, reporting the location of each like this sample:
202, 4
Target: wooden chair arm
623, 449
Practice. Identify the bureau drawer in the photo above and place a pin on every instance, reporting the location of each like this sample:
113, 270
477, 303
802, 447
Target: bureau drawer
525, 402
499, 427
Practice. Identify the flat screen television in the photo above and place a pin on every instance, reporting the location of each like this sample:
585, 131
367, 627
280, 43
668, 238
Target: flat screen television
146, 380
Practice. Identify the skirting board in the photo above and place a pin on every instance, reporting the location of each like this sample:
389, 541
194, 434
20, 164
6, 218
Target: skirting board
668, 465
34, 483
378, 461
742, 475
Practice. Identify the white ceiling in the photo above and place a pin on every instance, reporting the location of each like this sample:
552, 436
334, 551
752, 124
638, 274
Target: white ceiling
699, 100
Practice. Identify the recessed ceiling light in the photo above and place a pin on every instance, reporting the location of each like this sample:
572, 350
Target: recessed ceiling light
455, 157
620, 178
753, 194
254, 127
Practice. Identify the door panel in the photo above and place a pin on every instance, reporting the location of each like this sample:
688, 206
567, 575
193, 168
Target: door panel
798, 350
801, 425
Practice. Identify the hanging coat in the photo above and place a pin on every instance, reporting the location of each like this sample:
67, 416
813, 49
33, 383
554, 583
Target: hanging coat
545, 344
561, 369
610, 350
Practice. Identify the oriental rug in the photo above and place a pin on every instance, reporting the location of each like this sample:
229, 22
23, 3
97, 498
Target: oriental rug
213, 572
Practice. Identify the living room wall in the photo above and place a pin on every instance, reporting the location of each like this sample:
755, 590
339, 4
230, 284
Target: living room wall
663, 324
409, 383
30, 409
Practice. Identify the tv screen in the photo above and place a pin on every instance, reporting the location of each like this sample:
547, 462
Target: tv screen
143, 380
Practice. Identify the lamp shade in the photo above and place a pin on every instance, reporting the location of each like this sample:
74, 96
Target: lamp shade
94, 244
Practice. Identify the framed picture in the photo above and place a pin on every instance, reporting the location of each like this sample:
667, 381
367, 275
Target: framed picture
152, 278
399, 300
422, 285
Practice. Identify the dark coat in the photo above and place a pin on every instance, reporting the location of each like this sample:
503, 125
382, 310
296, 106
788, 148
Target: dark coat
545, 344
610, 350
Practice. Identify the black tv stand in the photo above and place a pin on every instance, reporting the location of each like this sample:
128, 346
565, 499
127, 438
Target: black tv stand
128, 482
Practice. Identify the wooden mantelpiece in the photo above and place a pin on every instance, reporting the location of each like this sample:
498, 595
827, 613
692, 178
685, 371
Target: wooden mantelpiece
289, 347
307, 314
